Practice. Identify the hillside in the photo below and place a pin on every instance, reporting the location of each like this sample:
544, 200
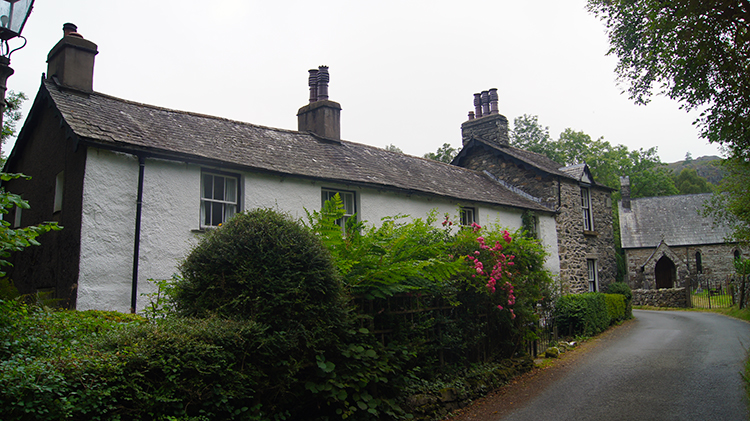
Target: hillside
706, 166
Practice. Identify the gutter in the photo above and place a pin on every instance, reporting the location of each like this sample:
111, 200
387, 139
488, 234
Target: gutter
137, 237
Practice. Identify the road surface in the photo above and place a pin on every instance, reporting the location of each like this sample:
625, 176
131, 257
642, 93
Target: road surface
671, 365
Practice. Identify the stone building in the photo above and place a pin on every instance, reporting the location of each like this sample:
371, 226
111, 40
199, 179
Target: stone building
583, 208
669, 244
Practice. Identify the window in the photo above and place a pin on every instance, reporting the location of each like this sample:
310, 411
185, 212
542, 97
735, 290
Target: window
219, 194
698, 262
593, 275
59, 182
347, 198
468, 216
588, 222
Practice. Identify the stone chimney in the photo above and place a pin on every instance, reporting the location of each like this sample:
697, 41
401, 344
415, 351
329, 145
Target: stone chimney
485, 122
321, 116
70, 63
625, 192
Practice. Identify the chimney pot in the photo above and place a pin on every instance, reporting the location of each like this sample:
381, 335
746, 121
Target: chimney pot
478, 105
323, 79
493, 101
69, 28
471, 115
485, 102
312, 81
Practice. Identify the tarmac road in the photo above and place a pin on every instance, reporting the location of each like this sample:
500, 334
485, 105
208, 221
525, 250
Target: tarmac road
671, 365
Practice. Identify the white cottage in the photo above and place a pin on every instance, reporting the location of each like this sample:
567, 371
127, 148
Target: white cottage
135, 185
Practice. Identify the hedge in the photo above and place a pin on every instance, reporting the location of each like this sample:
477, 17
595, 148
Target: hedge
582, 314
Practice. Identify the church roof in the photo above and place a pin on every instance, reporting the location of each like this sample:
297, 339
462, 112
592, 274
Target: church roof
674, 219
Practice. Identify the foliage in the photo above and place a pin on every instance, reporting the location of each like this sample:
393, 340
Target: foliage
161, 302
582, 314
11, 116
393, 148
19, 238
730, 205
616, 307
529, 135
693, 51
264, 266
382, 261
623, 289
445, 153
689, 182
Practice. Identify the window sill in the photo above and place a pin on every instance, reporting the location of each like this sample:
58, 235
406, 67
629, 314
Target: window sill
202, 230
590, 233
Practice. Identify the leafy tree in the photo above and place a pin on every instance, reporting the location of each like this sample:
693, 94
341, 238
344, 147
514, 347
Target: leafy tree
693, 51
393, 148
689, 182
11, 116
688, 158
730, 205
445, 153
529, 135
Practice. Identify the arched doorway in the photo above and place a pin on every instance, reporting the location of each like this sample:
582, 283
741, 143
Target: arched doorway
665, 273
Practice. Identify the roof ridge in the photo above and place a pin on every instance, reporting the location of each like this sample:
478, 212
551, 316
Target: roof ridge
173, 110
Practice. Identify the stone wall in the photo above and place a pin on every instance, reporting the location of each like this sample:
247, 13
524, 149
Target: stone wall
717, 264
672, 297
576, 246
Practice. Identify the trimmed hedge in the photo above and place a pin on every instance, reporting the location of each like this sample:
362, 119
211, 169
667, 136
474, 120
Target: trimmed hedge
582, 314
623, 289
615, 307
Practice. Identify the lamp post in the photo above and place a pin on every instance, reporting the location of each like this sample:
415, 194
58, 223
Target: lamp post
13, 16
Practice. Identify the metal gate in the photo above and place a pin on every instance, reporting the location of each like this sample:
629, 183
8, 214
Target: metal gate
706, 292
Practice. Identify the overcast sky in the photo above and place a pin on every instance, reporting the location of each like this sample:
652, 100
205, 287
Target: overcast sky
403, 71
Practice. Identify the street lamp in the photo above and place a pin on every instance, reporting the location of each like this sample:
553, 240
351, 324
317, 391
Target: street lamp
13, 16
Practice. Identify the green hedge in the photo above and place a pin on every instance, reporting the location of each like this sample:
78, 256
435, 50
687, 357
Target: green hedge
582, 314
623, 289
615, 307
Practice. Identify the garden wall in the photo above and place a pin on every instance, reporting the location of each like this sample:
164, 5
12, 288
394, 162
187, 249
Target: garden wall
667, 297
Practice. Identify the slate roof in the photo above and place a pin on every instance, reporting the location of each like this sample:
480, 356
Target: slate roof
675, 219
536, 160
107, 121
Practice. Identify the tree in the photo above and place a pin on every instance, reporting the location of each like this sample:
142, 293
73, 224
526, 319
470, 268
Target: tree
11, 116
694, 51
689, 182
730, 204
445, 153
529, 135
393, 148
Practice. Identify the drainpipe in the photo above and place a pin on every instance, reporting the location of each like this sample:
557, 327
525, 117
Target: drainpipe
137, 238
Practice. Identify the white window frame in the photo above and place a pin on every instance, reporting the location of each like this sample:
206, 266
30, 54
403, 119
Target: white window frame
349, 199
593, 275
218, 201
468, 216
588, 219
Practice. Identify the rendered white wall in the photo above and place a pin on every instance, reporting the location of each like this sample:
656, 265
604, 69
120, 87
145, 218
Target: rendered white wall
107, 227
171, 213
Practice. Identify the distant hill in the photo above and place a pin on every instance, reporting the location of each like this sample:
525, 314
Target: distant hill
706, 166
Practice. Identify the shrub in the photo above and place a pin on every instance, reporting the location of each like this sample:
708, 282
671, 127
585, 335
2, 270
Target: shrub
582, 314
623, 289
615, 307
263, 266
